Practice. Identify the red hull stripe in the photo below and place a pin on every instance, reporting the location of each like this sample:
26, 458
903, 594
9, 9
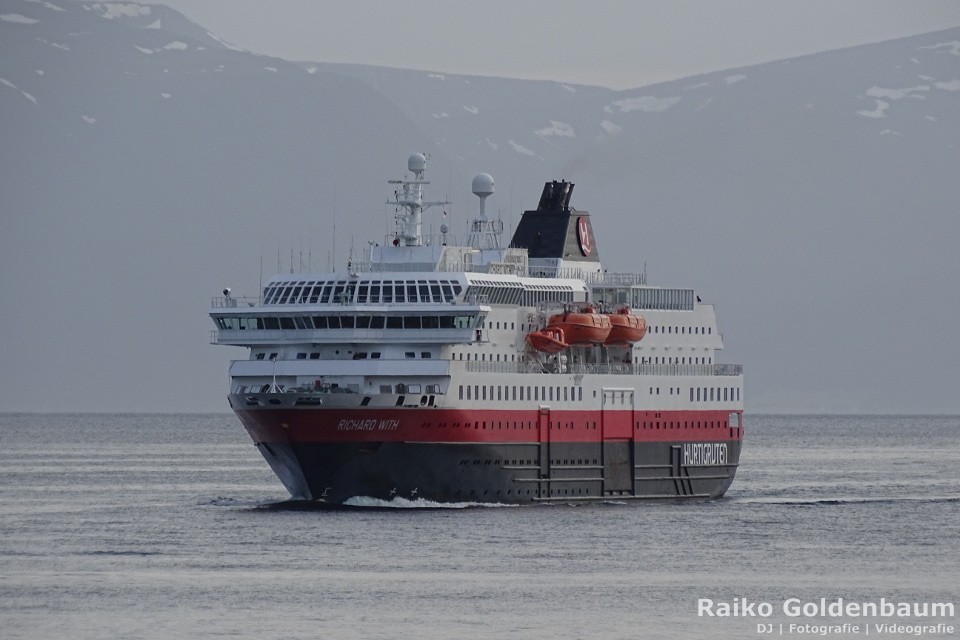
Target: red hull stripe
317, 425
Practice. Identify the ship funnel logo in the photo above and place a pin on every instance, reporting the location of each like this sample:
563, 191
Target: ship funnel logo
583, 236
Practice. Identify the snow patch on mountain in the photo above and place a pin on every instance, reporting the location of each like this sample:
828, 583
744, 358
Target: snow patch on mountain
17, 18
879, 112
647, 104
519, 148
557, 128
610, 127
111, 10
56, 45
953, 45
897, 94
472, 110
223, 43
26, 95
177, 45
953, 85
734, 78
48, 5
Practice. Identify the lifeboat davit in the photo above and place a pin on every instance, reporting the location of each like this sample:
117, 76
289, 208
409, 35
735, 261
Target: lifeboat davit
582, 327
626, 328
549, 340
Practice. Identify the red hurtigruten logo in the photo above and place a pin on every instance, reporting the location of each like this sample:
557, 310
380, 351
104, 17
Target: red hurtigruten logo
583, 236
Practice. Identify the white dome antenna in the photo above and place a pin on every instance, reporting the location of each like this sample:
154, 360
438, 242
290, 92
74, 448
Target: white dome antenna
483, 187
417, 163
484, 234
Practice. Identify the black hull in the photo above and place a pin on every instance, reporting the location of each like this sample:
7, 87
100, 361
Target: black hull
508, 473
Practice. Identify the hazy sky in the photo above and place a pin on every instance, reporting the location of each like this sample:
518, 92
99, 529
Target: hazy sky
613, 43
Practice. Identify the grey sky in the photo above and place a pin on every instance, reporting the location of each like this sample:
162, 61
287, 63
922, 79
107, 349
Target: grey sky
613, 43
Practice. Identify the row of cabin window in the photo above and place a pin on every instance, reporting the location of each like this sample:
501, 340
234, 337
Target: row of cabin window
681, 330
496, 325
586, 426
480, 392
706, 394
639, 361
659, 360
360, 355
666, 299
482, 357
385, 292
516, 296
349, 322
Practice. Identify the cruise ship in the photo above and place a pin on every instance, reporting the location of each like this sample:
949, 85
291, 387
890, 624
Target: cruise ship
483, 371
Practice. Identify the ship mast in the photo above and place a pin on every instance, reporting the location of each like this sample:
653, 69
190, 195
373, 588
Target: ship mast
408, 198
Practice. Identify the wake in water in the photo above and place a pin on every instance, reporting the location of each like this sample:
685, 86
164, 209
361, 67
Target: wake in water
355, 503
844, 500
419, 503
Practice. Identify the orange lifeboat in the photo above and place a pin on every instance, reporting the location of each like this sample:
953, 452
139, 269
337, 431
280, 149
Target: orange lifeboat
582, 327
549, 340
626, 328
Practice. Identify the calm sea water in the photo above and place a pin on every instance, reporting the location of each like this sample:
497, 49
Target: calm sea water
167, 526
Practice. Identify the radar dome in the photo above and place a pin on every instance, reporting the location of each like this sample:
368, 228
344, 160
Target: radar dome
444, 228
483, 185
417, 163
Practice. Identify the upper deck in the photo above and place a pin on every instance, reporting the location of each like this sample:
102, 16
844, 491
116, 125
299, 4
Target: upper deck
475, 301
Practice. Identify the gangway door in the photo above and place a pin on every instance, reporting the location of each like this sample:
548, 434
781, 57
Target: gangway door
616, 422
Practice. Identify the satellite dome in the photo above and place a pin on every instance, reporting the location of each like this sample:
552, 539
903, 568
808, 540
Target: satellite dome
483, 185
444, 228
417, 163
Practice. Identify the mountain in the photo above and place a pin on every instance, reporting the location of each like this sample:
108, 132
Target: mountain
145, 165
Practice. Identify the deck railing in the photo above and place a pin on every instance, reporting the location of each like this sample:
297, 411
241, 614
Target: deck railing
618, 369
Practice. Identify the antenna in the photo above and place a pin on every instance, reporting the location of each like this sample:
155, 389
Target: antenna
409, 203
333, 239
483, 233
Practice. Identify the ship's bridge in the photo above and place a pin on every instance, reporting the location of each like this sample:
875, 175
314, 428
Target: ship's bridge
424, 308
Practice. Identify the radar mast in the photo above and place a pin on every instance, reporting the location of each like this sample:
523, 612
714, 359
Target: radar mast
408, 198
